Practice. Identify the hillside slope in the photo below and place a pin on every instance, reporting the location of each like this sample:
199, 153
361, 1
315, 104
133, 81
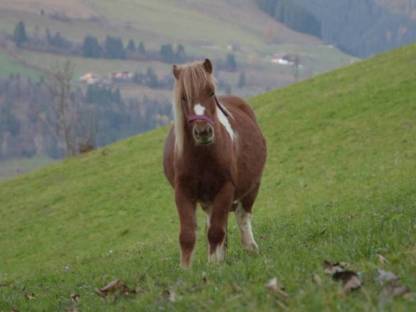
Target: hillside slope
205, 28
339, 185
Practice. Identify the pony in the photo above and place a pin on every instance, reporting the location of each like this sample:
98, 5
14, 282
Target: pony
214, 156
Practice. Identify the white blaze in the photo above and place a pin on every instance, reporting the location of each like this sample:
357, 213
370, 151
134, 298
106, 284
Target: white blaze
199, 109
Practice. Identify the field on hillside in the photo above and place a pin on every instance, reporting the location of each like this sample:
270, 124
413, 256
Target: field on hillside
205, 28
10, 66
339, 185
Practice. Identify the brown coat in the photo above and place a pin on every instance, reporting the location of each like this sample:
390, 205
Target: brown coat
218, 175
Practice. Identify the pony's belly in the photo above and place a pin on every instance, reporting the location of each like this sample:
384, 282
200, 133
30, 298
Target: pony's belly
206, 195
208, 187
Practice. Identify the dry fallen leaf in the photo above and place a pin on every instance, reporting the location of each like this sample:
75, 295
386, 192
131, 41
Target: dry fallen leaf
75, 297
381, 259
115, 287
384, 277
333, 267
392, 287
317, 279
30, 296
275, 287
350, 279
395, 290
169, 295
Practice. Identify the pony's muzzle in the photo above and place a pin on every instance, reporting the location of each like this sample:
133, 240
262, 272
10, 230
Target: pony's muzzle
203, 133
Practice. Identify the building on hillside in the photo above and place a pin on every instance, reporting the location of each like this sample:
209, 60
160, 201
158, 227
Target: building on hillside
90, 78
123, 76
286, 59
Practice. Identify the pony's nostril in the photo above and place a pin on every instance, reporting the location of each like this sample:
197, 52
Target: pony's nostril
203, 133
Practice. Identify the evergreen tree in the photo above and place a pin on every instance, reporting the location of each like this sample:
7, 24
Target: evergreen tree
230, 62
91, 47
117, 96
180, 54
242, 80
293, 15
151, 79
141, 49
20, 36
167, 54
114, 48
59, 41
131, 46
8, 121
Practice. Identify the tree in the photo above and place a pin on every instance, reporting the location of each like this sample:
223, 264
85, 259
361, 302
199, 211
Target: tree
230, 62
141, 48
8, 121
180, 54
242, 80
151, 79
131, 46
20, 36
114, 48
296, 66
58, 41
59, 84
292, 14
167, 54
91, 47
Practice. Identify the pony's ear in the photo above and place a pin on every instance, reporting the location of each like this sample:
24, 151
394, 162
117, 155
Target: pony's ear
176, 71
207, 66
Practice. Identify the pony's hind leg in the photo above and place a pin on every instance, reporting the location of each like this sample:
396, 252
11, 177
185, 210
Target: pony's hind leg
243, 217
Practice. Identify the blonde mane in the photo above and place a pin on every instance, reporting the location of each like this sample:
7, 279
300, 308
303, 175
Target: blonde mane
192, 80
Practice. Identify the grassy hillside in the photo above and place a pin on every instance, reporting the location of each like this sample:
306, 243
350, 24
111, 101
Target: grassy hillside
9, 66
206, 29
339, 185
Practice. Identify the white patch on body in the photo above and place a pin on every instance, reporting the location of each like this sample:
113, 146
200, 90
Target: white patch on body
244, 223
226, 123
199, 109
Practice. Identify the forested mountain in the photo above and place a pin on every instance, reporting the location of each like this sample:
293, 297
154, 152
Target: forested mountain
358, 27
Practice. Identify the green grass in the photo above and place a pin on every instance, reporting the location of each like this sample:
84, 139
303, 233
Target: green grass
103, 67
10, 66
339, 184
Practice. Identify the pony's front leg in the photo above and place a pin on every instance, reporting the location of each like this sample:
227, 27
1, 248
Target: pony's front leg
217, 230
187, 233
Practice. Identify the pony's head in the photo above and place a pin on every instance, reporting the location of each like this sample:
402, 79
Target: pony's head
195, 103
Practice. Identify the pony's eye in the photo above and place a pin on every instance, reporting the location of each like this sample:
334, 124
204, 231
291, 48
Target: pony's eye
184, 98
